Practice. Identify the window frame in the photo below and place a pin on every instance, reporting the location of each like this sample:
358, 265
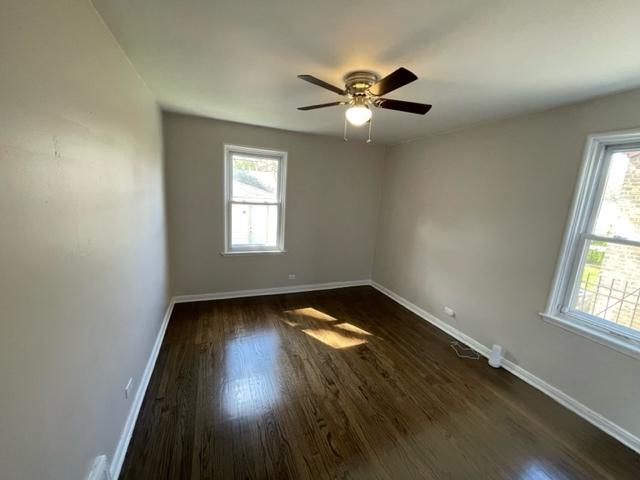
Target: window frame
587, 197
281, 157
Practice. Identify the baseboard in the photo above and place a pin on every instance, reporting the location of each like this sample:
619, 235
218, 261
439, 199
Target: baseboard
99, 469
607, 426
269, 291
130, 423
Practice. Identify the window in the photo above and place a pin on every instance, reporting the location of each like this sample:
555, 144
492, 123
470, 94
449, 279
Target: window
254, 200
596, 290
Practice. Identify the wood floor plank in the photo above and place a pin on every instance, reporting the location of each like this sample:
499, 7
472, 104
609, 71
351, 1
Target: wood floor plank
346, 384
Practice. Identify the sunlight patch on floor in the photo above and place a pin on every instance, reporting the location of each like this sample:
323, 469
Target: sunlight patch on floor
352, 328
325, 328
332, 338
312, 313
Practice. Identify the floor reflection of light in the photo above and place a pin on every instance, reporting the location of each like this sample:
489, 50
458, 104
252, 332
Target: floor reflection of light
534, 471
332, 338
312, 313
252, 373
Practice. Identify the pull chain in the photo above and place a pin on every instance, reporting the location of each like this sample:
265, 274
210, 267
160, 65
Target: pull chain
345, 129
370, 122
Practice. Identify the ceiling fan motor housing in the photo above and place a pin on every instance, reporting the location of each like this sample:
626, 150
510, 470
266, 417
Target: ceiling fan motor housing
358, 82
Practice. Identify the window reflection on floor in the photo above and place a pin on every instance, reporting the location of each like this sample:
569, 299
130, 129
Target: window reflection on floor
251, 362
252, 370
535, 471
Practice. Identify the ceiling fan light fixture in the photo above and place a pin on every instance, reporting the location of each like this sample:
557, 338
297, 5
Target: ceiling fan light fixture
358, 115
364, 89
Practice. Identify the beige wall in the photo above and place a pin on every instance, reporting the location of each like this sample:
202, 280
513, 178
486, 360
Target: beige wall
474, 220
82, 237
333, 192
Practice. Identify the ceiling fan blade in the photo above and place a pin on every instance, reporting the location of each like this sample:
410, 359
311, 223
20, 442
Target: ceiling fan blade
322, 83
393, 81
402, 106
322, 105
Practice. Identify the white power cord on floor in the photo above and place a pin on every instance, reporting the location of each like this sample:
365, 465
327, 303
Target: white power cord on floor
463, 351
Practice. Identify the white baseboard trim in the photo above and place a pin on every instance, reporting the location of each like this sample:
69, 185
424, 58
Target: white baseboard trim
99, 469
269, 291
130, 423
607, 426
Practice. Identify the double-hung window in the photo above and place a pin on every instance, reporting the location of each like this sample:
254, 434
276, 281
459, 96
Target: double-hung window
255, 182
596, 291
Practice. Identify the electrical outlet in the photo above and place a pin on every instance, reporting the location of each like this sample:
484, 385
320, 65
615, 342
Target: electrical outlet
450, 311
127, 389
292, 276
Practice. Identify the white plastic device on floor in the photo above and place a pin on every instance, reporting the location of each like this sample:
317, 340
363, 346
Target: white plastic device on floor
495, 357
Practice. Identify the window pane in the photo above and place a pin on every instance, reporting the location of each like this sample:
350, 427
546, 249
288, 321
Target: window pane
254, 179
619, 212
254, 225
610, 283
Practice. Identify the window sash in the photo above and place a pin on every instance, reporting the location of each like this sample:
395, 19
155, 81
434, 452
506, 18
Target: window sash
230, 151
268, 156
578, 264
252, 247
574, 287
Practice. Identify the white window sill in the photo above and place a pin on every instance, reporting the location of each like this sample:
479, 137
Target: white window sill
237, 253
602, 336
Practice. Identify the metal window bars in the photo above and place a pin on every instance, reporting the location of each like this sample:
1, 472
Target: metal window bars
605, 299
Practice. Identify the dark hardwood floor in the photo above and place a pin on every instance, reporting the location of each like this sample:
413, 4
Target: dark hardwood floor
346, 384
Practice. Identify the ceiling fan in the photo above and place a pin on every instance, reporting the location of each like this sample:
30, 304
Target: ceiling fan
364, 89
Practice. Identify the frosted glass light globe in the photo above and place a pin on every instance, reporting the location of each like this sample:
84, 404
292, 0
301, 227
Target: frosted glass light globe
358, 115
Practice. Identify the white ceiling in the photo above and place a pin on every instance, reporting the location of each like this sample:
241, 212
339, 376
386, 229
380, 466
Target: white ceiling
476, 59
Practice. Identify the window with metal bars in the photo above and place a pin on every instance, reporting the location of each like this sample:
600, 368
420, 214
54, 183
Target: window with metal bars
596, 290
